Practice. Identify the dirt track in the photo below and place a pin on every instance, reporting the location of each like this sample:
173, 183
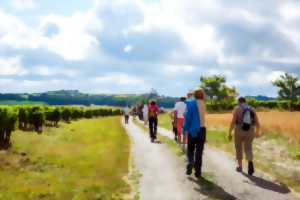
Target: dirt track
164, 174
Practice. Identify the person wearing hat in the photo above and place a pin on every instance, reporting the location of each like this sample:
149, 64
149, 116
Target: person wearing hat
194, 128
190, 95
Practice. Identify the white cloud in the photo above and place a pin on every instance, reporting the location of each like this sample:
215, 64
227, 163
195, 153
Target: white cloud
15, 33
202, 40
290, 11
23, 4
75, 40
178, 69
53, 71
262, 76
128, 48
12, 66
121, 79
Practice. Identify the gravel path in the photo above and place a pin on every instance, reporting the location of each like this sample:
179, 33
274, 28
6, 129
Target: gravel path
164, 174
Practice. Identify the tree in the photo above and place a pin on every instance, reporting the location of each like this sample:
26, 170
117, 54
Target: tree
289, 88
216, 88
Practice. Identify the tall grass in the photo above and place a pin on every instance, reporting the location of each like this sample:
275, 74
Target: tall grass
284, 123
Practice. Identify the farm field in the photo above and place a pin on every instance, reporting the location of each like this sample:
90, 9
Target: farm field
276, 152
73, 161
276, 122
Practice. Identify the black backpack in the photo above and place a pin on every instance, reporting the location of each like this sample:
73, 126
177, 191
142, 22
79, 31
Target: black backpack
248, 118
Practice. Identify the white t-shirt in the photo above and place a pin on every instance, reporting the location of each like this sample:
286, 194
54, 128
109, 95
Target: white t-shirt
145, 110
126, 111
180, 108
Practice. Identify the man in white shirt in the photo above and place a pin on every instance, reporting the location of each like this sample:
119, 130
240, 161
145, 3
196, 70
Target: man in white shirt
145, 114
179, 109
126, 114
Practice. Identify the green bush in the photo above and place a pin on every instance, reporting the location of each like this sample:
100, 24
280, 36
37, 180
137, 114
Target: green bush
8, 121
37, 118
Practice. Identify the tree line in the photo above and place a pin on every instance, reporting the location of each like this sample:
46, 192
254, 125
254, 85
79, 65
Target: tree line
221, 97
34, 118
74, 97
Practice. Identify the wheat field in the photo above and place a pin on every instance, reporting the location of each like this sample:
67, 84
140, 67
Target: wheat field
286, 123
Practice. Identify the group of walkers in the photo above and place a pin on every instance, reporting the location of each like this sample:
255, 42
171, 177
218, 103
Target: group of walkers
189, 127
149, 115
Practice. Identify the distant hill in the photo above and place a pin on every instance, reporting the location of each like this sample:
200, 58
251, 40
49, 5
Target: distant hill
261, 98
75, 97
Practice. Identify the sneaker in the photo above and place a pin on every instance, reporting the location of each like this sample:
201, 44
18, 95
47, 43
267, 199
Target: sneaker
239, 169
189, 170
198, 175
250, 168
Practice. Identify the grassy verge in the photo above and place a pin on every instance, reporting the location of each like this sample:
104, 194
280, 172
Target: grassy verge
87, 159
274, 153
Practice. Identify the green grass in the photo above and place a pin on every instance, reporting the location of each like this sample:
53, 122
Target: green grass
164, 121
87, 159
293, 149
12, 102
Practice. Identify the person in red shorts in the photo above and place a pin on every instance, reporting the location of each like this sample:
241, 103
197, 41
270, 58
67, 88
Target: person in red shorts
179, 110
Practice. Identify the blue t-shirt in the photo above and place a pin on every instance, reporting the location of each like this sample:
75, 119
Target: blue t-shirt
192, 123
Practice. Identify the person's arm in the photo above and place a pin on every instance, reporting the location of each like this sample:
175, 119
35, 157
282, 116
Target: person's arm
187, 121
203, 113
172, 113
232, 125
257, 125
157, 110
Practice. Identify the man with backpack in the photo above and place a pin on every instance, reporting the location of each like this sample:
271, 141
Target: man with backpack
246, 126
153, 112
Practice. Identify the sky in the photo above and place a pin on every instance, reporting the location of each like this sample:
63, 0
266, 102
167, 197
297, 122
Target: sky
131, 46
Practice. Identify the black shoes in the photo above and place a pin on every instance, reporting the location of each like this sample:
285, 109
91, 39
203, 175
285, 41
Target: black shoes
198, 175
239, 169
189, 170
250, 168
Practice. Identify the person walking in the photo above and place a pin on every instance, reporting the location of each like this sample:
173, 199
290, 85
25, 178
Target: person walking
173, 116
179, 111
126, 112
246, 126
153, 111
194, 127
145, 114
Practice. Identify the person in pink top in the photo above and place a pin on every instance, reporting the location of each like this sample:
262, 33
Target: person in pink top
153, 112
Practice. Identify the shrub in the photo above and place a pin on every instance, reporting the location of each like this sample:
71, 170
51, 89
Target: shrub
8, 121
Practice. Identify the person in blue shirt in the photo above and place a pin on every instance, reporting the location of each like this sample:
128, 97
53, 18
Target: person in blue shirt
194, 127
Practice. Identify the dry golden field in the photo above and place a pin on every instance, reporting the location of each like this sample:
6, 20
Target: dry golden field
286, 123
